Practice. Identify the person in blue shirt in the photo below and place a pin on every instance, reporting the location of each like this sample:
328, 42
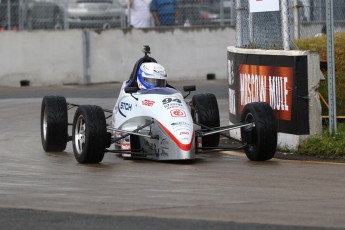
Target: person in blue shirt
165, 12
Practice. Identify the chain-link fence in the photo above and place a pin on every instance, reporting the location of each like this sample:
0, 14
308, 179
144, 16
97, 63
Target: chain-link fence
104, 14
304, 18
61, 14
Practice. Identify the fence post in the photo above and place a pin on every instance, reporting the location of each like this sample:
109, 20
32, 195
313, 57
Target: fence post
251, 28
239, 33
331, 71
87, 57
221, 12
296, 19
8, 15
20, 15
65, 15
285, 24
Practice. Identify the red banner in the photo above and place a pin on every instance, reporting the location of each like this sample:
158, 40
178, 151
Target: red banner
270, 84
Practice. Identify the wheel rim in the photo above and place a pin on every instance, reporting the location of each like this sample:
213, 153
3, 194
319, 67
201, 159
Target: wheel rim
249, 118
79, 136
45, 124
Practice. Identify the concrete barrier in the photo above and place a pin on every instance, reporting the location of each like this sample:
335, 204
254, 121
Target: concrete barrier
60, 57
44, 58
287, 80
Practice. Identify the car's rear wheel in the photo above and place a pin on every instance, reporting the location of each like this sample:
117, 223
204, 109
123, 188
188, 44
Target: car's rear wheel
54, 134
89, 134
261, 138
206, 113
135, 143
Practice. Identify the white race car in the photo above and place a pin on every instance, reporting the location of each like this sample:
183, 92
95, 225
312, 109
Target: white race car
154, 122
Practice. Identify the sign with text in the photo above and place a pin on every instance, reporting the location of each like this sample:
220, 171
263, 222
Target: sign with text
267, 84
280, 81
263, 5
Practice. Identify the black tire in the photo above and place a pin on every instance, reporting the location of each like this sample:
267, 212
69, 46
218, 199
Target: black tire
89, 134
205, 112
262, 138
54, 134
135, 143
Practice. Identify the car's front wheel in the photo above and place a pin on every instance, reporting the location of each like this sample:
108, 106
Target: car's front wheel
89, 134
261, 137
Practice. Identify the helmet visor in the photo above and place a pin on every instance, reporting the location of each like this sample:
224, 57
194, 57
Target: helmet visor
156, 82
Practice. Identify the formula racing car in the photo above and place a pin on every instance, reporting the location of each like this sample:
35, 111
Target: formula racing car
152, 119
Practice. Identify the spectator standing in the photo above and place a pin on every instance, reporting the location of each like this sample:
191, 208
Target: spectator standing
140, 13
165, 12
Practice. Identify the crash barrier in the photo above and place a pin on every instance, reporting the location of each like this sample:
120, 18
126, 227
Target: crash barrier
86, 57
287, 80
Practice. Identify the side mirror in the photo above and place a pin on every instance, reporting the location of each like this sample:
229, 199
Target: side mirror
131, 89
188, 89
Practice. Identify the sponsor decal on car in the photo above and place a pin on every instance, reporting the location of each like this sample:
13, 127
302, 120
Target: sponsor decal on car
123, 107
148, 103
177, 113
184, 133
125, 146
171, 102
180, 123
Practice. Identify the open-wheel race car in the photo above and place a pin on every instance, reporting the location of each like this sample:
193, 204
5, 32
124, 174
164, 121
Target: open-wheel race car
151, 119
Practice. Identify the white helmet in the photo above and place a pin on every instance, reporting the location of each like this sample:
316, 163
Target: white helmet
151, 75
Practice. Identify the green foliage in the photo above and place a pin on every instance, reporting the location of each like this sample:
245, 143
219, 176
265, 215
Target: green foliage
318, 44
325, 146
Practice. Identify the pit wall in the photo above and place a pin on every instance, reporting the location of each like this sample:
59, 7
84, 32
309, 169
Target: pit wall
287, 80
79, 57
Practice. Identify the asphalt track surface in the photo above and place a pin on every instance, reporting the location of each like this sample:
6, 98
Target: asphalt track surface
218, 190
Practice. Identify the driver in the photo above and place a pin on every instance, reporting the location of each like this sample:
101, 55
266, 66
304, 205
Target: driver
151, 75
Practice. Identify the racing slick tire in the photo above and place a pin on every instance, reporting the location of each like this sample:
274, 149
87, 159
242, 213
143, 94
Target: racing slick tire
262, 137
135, 143
205, 112
54, 124
89, 134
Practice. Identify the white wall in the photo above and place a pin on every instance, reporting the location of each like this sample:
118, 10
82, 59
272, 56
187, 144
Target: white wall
44, 58
56, 57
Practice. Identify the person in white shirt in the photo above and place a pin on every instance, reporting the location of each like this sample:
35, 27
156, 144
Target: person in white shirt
140, 13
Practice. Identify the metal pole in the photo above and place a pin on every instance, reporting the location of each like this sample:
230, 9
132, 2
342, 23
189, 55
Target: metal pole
285, 24
331, 70
221, 12
307, 9
8, 15
87, 57
296, 19
232, 13
21, 14
251, 28
65, 15
239, 23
